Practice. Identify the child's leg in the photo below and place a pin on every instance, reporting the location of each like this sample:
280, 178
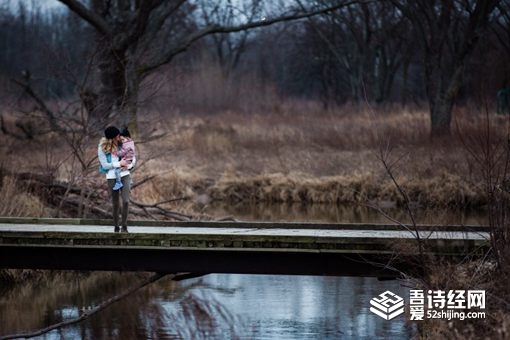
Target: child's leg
118, 182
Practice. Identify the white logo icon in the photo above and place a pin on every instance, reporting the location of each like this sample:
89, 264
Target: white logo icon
388, 305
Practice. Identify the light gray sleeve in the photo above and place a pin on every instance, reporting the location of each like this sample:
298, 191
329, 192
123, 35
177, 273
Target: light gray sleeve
104, 162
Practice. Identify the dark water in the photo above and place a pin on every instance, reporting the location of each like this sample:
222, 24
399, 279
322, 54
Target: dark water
332, 213
210, 307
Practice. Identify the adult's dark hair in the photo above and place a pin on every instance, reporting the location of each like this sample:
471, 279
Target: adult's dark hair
111, 132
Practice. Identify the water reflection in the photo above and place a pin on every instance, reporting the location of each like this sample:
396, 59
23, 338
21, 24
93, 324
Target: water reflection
308, 307
212, 307
334, 213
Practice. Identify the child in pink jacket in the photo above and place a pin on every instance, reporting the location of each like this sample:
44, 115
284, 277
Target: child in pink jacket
126, 152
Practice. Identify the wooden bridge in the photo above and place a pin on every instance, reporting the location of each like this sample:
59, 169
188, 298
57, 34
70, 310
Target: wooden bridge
230, 247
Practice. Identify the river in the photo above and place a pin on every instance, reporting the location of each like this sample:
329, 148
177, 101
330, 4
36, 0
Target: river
218, 306
215, 306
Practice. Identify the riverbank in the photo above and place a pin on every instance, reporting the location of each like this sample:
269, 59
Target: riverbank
321, 157
293, 155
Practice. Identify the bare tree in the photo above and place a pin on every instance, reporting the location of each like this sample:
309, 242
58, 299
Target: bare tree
136, 38
502, 25
365, 43
228, 48
448, 31
501, 29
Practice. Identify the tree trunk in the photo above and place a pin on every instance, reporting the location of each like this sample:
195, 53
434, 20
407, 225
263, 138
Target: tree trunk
404, 94
133, 81
112, 83
119, 88
442, 91
448, 37
440, 119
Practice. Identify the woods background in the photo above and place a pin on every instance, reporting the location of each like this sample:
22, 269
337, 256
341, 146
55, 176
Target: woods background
202, 57
289, 101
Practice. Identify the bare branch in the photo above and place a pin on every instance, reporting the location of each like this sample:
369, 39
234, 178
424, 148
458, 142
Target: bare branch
163, 211
183, 45
25, 85
94, 310
397, 222
88, 15
159, 17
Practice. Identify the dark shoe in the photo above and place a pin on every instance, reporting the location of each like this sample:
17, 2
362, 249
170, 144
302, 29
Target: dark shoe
124, 230
116, 229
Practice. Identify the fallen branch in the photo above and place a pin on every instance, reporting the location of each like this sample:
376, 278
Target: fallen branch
156, 207
41, 105
96, 210
226, 219
143, 180
397, 222
101, 306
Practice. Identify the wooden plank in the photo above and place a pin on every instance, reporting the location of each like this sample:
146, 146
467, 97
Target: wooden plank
241, 224
384, 241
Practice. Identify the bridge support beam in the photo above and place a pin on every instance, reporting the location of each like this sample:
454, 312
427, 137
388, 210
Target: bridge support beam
239, 261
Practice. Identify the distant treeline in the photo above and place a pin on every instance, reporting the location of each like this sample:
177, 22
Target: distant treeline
364, 51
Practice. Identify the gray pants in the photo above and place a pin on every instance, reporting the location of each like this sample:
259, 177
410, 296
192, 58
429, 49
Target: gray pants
124, 194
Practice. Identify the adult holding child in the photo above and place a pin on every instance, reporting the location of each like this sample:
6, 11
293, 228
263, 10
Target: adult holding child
117, 172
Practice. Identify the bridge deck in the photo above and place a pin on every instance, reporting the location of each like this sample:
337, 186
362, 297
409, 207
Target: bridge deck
203, 247
174, 231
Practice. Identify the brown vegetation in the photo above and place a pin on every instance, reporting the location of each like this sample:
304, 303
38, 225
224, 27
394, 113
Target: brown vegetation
468, 274
314, 157
287, 156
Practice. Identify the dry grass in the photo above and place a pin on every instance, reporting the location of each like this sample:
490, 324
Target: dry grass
470, 275
326, 157
236, 138
282, 156
15, 201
